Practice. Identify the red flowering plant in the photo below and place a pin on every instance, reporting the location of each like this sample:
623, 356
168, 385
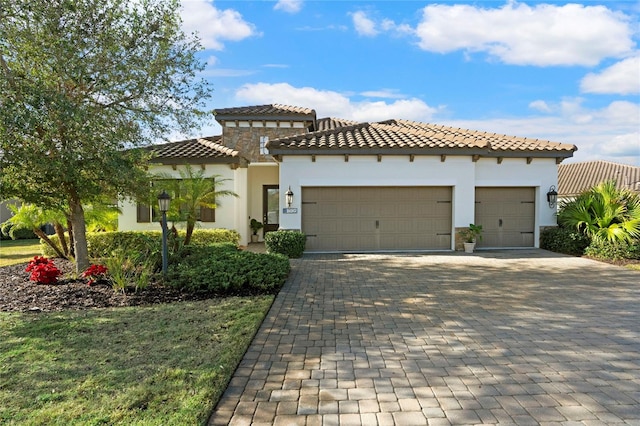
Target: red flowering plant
95, 273
43, 270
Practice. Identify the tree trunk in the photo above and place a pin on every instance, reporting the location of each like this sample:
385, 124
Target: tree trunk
44, 237
63, 241
79, 236
187, 238
72, 242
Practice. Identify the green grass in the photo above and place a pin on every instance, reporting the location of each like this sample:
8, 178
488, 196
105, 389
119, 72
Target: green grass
13, 252
158, 365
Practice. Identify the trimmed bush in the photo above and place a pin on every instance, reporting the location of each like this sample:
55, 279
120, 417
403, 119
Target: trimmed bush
206, 237
102, 244
564, 240
223, 269
614, 250
288, 243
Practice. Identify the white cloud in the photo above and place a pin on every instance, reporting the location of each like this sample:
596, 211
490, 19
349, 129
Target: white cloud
622, 78
363, 25
610, 133
328, 103
539, 105
214, 25
383, 93
289, 6
516, 33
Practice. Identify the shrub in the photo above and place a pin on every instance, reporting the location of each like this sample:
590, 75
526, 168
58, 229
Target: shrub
9, 231
95, 273
564, 240
207, 237
43, 270
222, 269
129, 269
102, 244
288, 243
609, 250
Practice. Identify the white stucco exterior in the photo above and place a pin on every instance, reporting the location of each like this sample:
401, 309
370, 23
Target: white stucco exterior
228, 207
461, 173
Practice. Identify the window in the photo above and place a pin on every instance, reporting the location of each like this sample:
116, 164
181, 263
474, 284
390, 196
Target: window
263, 145
146, 213
207, 214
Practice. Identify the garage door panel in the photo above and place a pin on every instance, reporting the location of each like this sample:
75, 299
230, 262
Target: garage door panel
377, 218
507, 216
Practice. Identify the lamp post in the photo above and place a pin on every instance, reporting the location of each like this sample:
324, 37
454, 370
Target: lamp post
164, 200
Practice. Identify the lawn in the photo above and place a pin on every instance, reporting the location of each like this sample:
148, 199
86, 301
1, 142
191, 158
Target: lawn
157, 365
18, 251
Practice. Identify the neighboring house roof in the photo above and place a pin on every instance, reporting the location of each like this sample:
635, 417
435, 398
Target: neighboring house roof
201, 150
265, 112
575, 178
409, 137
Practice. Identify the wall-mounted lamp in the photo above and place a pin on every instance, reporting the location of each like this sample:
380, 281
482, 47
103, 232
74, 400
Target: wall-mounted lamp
552, 196
289, 197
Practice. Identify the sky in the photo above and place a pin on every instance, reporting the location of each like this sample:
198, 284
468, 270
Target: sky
559, 71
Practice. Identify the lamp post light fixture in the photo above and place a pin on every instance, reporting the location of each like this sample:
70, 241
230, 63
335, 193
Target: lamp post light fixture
289, 197
164, 200
552, 196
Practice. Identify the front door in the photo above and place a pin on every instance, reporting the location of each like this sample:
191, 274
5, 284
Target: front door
271, 207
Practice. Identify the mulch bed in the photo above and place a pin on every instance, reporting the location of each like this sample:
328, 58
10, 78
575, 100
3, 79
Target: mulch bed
19, 294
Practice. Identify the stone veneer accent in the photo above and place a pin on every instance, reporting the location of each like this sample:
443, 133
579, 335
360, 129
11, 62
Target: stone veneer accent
247, 139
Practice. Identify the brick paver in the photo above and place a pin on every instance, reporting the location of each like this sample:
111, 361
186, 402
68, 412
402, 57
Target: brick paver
497, 337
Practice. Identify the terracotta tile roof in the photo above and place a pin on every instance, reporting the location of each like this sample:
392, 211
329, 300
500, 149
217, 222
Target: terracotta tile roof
200, 150
330, 123
403, 136
575, 178
264, 112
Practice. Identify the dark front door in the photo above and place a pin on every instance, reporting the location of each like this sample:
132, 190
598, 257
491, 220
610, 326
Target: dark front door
271, 207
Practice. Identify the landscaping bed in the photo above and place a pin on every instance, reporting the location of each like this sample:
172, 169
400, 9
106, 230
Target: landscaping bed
18, 294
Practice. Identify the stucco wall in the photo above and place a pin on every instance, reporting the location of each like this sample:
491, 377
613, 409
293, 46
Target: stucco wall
225, 213
459, 172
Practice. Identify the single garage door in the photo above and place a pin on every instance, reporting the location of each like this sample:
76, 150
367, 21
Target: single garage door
376, 218
507, 216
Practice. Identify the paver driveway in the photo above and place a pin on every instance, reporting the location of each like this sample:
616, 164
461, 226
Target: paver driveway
509, 337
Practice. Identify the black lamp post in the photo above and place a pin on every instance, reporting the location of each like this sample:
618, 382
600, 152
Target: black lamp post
552, 196
164, 200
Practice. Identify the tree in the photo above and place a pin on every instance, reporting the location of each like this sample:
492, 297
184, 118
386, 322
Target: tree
81, 83
604, 213
33, 218
193, 191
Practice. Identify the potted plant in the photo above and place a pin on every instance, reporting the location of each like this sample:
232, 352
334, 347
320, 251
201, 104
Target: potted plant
255, 227
470, 236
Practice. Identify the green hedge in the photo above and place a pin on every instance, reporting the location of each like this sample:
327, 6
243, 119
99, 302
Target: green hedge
288, 243
102, 244
614, 251
223, 269
564, 240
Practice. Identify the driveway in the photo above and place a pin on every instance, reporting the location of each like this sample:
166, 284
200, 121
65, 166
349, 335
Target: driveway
510, 337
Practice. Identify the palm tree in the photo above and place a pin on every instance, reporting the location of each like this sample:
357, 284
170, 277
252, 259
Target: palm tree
32, 217
194, 191
604, 213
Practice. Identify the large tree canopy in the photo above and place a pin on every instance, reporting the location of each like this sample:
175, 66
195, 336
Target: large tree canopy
82, 82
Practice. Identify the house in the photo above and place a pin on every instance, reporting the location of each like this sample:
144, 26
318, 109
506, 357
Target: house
576, 178
351, 186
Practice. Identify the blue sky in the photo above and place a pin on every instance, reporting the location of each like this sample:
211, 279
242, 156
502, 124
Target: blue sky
566, 72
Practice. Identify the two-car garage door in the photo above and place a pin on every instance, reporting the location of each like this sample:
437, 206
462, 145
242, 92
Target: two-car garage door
376, 218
